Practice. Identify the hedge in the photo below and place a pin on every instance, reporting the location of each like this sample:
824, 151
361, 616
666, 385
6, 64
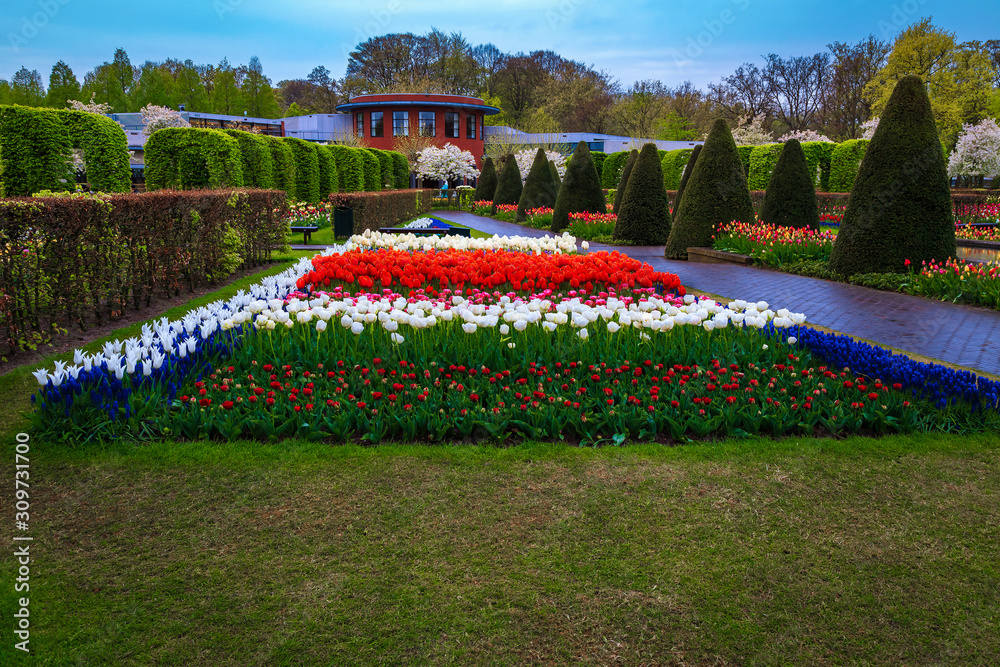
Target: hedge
284, 163
184, 158
329, 180
386, 167
745, 152
644, 218
105, 149
673, 164
611, 170
307, 172
373, 210
401, 170
96, 257
818, 160
623, 183
34, 152
580, 190
539, 190
762, 161
373, 170
351, 168
688, 168
599, 158
258, 163
844, 163
486, 184
790, 199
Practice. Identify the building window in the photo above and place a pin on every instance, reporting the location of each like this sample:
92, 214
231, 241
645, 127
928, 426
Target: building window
400, 123
451, 124
377, 124
470, 126
427, 121
361, 124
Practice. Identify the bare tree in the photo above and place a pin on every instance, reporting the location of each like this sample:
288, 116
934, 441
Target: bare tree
798, 85
745, 93
854, 65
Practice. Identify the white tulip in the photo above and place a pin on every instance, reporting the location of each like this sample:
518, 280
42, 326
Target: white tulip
469, 327
357, 328
582, 333
521, 325
504, 329
396, 338
320, 326
613, 327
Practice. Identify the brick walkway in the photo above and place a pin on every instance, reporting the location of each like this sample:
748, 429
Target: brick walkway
959, 335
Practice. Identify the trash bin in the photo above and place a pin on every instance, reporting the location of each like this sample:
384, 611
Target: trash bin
343, 222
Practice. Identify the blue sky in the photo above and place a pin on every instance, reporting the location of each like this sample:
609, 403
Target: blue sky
672, 41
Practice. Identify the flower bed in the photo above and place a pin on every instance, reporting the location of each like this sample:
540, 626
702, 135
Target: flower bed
774, 245
438, 344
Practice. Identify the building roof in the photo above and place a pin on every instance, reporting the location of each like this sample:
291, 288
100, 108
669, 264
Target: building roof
418, 100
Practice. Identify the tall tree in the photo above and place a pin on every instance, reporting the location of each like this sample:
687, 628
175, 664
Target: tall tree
190, 91
377, 63
797, 85
641, 109
518, 86
5, 92
26, 88
258, 96
122, 76
63, 86
954, 81
490, 60
324, 98
155, 85
853, 67
744, 94
226, 92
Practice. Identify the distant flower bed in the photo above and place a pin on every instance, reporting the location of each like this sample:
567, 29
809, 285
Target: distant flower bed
774, 245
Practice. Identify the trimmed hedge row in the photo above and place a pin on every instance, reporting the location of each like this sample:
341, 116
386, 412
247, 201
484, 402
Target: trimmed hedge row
91, 258
373, 210
763, 159
186, 158
36, 144
673, 165
258, 163
611, 170
351, 168
284, 163
307, 170
372, 169
844, 163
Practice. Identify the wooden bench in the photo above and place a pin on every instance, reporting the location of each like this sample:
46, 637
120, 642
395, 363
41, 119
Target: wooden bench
429, 231
306, 232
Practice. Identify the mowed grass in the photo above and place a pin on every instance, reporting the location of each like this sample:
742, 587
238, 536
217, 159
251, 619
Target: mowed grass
756, 552
800, 551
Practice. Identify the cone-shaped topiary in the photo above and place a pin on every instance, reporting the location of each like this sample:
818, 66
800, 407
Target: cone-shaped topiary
626, 172
555, 175
539, 190
487, 183
716, 193
580, 190
509, 184
643, 217
790, 198
688, 168
900, 205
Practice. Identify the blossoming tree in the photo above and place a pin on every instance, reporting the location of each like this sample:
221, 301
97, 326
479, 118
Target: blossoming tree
156, 117
446, 164
526, 157
977, 153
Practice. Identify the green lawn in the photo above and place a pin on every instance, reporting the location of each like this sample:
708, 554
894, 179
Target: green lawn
799, 551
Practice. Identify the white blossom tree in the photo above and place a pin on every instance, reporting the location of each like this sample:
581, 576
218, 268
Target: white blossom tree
868, 128
155, 118
526, 158
751, 132
445, 164
804, 136
977, 153
101, 108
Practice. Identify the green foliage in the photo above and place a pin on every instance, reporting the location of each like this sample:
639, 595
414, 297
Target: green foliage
817, 154
580, 190
539, 190
386, 167
556, 179
373, 170
790, 200
34, 151
400, 170
644, 218
185, 158
329, 180
716, 193
105, 149
258, 163
307, 187
284, 163
900, 205
673, 164
688, 168
844, 163
745, 152
611, 170
599, 157
486, 185
374, 210
626, 172
350, 166
762, 161
509, 184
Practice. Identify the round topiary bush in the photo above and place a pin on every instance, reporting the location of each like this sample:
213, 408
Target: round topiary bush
486, 185
626, 172
539, 190
688, 168
644, 218
790, 199
715, 193
580, 190
509, 185
900, 205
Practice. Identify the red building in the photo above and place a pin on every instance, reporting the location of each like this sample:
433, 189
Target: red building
449, 119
